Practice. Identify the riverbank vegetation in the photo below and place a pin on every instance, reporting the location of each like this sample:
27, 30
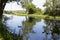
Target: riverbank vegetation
51, 11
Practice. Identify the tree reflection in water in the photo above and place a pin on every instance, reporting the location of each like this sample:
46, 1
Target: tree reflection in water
27, 27
53, 28
4, 33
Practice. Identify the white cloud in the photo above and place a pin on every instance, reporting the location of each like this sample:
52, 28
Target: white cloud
39, 3
13, 5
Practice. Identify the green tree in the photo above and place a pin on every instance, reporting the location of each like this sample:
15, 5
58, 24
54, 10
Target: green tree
30, 8
27, 4
51, 7
38, 11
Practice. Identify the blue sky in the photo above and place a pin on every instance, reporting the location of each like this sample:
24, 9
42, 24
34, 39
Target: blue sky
13, 5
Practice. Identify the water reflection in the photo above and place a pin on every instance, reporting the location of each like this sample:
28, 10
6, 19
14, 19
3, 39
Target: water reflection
29, 28
4, 33
28, 25
52, 28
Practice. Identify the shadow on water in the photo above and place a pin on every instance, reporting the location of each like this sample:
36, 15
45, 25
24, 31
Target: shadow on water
28, 28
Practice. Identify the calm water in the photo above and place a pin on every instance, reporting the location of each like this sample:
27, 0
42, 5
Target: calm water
30, 28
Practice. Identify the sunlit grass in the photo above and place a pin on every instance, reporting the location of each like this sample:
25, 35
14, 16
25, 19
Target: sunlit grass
35, 15
1, 38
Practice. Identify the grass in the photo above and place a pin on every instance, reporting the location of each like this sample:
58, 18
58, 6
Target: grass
35, 15
1, 38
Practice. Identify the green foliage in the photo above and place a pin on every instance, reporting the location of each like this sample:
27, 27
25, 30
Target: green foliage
51, 7
38, 11
30, 6
25, 2
32, 9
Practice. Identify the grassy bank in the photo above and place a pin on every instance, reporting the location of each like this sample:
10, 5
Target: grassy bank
35, 15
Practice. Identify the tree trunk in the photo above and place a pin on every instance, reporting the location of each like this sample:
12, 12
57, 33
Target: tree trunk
1, 13
2, 6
